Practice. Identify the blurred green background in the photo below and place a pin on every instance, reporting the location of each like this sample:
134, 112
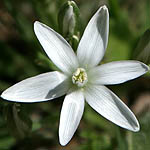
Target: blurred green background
35, 126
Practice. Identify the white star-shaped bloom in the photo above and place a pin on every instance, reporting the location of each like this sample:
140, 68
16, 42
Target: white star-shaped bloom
80, 78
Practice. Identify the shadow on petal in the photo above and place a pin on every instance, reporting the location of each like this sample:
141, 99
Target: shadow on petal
59, 90
127, 113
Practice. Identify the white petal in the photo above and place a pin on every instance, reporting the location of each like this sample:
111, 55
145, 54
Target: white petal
56, 47
70, 117
117, 72
106, 103
94, 40
43, 87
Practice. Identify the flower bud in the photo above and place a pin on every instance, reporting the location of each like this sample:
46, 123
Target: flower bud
69, 20
74, 42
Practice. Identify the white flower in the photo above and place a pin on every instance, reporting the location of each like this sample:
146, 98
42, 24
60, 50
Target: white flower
80, 77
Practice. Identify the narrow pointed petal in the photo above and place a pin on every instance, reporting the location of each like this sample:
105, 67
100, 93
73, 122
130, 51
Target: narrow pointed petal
40, 88
106, 103
94, 40
71, 113
117, 72
56, 47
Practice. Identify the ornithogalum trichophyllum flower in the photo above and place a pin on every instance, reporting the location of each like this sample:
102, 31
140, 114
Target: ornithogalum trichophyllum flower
80, 78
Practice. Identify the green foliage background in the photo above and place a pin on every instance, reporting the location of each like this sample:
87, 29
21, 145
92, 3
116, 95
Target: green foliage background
35, 126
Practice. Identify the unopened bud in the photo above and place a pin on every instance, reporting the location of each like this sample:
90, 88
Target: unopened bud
69, 20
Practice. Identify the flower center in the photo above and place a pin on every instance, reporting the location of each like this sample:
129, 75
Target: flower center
79, 77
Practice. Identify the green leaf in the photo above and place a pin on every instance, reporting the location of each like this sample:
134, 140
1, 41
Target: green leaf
142, 51
18, 124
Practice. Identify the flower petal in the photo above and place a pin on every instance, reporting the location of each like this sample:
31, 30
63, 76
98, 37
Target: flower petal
56, 47
37, 89
106, 103
71, 113
93, 44
117, 72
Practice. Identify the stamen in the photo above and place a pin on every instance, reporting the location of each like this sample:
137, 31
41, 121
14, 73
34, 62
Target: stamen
80, 77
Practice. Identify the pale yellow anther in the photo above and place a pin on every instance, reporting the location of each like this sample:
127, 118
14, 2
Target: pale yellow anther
80, 77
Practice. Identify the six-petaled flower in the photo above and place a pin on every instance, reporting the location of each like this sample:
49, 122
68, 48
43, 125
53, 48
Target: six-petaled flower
80, 77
